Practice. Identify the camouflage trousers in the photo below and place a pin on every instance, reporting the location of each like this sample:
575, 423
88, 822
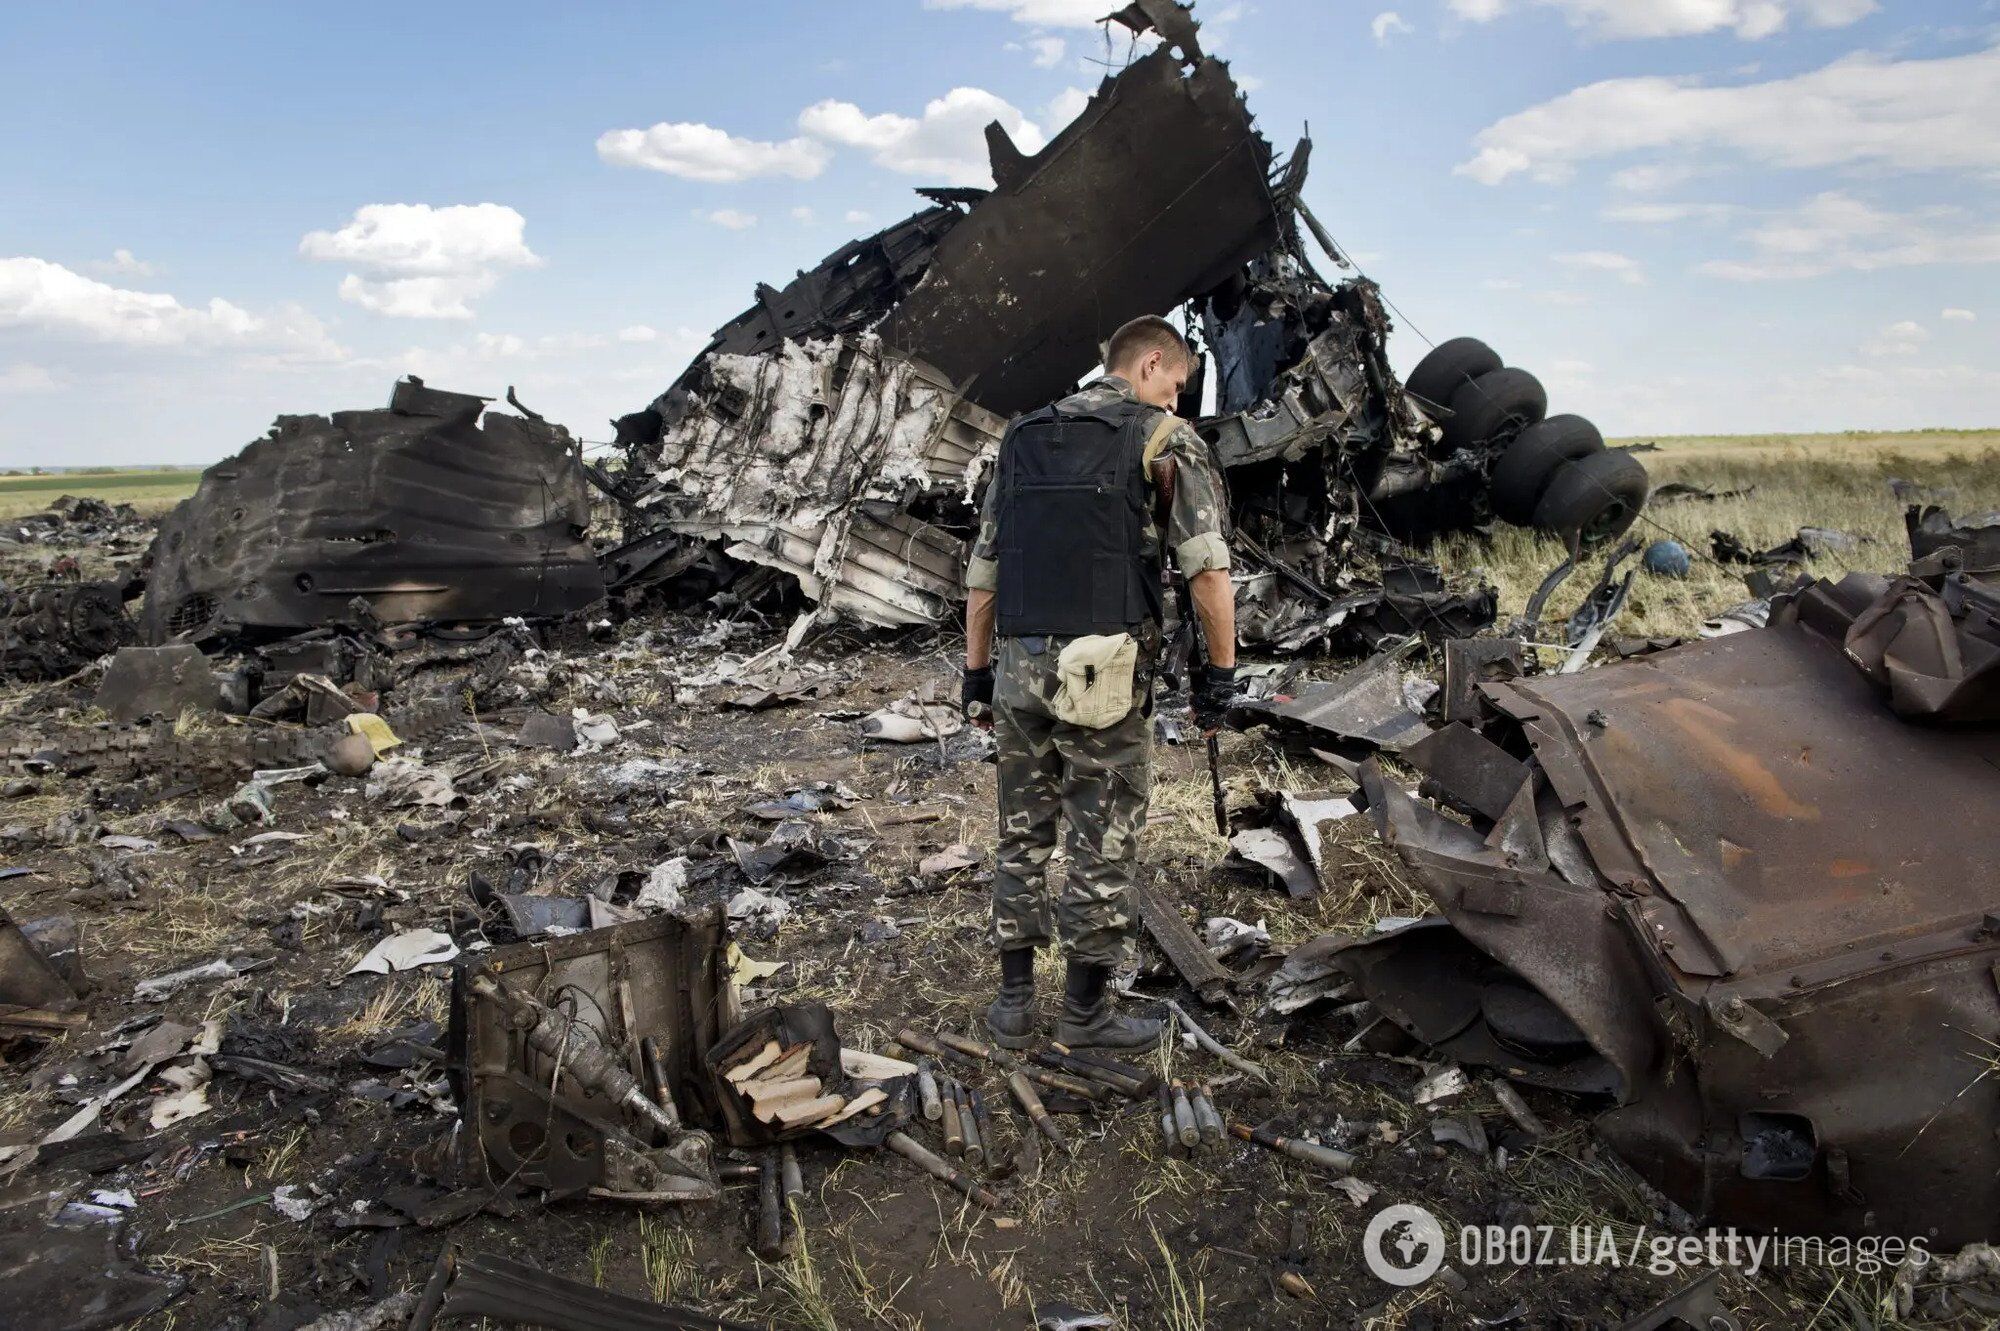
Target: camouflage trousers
1099, 780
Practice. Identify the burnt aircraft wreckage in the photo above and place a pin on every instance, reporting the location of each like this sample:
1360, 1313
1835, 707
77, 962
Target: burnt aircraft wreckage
415, 512
839, 430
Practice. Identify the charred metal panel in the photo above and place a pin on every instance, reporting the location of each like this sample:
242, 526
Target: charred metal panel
1788, 816
811, 458
1787, 955
1156, 192
532, 1122
419, 510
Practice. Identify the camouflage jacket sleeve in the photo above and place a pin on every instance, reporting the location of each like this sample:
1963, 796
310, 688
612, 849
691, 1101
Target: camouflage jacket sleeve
1197, 528
982, 572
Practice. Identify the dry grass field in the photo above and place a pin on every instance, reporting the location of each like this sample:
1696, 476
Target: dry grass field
149, 489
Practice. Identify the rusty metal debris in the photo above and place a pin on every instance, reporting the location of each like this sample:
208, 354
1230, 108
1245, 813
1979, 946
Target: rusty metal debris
465, 1286
1699, 1305
1976, 538
78, 1271
42, 983
1688, 882
544, 1040
1195, 964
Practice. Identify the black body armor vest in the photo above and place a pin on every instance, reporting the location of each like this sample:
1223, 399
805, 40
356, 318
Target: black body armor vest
1072, 515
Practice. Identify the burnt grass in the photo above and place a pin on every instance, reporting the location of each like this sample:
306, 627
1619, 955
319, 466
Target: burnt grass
1111, 1225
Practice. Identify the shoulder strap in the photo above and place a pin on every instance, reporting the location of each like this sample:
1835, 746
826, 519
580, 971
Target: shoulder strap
1156, 443
1164, 477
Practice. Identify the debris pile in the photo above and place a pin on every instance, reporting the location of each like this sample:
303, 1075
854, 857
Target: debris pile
406, 880
1683, 882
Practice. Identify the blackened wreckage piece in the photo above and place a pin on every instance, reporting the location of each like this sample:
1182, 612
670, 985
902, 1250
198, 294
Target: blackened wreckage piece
839, 430
417, 512
1713, 885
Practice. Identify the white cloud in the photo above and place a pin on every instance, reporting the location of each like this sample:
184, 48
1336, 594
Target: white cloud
1048, 51
1500, 284
1064, 107
1860, 111
1652, 177
1835, 232
802, 215
1748, 19
696, 151
1623, 266
638, 333
122, 263
417, 297
50, 299
23, 377
1655, 214
1906, 338
1957, 315
947, 143
417, 240
1040, 13
728, 218
421, 262
1387, 24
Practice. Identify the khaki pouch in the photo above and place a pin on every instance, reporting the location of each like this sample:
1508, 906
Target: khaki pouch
1094, 680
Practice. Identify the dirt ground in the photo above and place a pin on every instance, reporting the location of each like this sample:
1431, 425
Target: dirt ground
1111, 1226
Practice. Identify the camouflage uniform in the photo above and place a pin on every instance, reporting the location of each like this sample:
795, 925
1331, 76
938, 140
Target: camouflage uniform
1100, 779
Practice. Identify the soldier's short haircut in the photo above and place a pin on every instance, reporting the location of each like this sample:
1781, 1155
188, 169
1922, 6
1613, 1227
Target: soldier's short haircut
1148, 332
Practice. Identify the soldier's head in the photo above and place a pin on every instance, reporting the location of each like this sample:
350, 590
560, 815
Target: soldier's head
1150, 354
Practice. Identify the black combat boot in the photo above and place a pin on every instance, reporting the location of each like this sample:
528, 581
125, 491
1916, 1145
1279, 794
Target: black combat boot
1088, 1021
1011, 1017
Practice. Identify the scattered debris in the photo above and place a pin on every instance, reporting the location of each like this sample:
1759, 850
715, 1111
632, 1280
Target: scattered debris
469, 1286
547, 1086
162, 987
406, 951
907, 721
157, 681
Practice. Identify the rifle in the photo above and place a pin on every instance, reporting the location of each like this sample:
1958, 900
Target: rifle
1198, 655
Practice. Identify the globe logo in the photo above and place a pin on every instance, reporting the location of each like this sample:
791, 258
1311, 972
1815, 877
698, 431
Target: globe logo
1403, 1245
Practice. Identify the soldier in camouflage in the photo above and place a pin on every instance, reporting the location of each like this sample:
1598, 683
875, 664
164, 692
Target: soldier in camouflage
1100, 778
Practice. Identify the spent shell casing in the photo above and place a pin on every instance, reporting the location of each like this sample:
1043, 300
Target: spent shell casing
1326, 1157
1206, 1117
954, 1132
1184, 1125
968, 1124
927, 1091
788, 1170
770, 1216
1031, 1105
939, 1168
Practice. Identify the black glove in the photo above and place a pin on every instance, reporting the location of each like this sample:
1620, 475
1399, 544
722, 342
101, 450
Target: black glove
975, 695
1214, 690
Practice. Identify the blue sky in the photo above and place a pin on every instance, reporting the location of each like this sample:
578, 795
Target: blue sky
1684, 215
